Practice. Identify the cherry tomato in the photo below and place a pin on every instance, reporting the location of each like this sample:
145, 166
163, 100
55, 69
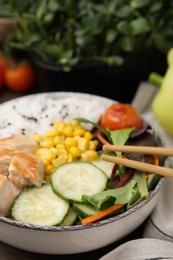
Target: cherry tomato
4, 63
120, 116
20, 78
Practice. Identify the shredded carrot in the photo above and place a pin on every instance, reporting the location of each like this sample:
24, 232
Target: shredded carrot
155, 162
101, 214
147, 175
101, 138
156, 159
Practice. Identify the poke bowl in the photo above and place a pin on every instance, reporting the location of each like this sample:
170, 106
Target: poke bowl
91, 225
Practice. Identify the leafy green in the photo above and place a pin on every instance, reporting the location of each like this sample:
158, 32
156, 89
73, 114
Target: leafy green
130, 194
68, 33
106, 198
120, 136
152, 181
140, 191
86, 121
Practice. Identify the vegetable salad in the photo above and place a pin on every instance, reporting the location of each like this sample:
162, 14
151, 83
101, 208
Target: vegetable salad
80, 186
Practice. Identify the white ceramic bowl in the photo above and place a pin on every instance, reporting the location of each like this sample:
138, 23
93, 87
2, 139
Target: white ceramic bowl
79, 238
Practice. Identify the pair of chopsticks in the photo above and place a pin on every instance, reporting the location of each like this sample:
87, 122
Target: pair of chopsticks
146, 167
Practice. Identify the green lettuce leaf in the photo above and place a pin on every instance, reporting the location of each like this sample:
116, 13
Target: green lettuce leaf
141, 190
109, 197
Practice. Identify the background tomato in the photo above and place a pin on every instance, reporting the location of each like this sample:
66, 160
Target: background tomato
4, 64
20, 78
1, 79
120, 116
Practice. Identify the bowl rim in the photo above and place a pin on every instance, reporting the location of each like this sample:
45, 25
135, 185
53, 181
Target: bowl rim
12, 222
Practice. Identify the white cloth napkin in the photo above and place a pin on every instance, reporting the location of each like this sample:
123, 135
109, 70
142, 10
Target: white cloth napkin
142, 249
157, 241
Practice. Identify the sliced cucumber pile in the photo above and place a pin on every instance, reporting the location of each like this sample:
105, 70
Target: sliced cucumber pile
71, 180
40, 206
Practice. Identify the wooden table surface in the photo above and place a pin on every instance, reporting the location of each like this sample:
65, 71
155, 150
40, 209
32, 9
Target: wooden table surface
8, 252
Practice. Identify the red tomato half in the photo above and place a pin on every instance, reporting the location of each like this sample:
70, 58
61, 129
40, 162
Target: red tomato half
120, 116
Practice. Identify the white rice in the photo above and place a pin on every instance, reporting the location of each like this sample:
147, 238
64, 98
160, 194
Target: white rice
37, 113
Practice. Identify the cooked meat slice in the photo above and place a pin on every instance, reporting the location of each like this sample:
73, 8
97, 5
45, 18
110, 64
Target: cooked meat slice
8, 193
17, 181
28, 166
20, 143
18, 169
6, 152
5, 157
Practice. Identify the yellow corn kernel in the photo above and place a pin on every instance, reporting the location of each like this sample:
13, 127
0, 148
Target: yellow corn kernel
47, 142
49, 169
50, 133
61, 152
70, 157
54, 151
60, 146
76, 137
93, 144
89, 155
59, 126
56, 140
37, 137
83, 144
46, 162
68, 130
79, 132
75, 123
69, 141
58, 161
62, 139
88, 135
75, 151
44, 153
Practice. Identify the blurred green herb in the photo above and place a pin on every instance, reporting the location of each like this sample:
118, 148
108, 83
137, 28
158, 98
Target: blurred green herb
68, 32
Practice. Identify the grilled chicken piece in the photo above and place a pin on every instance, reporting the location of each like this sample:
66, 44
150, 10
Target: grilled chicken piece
5, 157
8, 193
27, 167
19, 168
20, 143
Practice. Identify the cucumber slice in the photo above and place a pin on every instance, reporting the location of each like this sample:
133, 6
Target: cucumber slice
104, 166
40, 206
84, 210
71, 180
70, 219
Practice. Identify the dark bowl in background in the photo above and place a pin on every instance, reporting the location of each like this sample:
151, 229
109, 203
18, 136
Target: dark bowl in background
118, 83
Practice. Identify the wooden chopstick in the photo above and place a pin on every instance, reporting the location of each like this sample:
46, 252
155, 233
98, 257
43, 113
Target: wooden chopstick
146, 167
139, 149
